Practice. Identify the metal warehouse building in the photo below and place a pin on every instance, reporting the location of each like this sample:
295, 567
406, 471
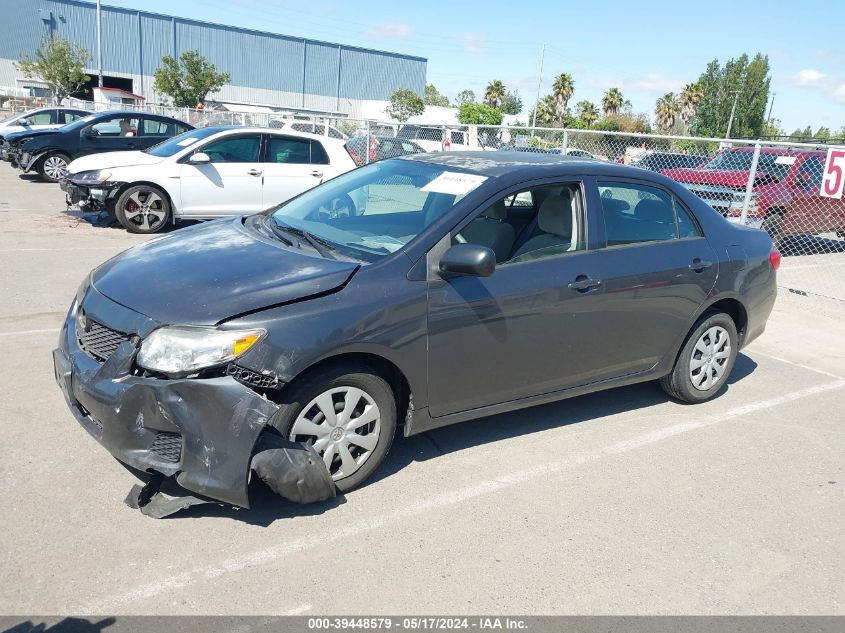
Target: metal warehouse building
266, 69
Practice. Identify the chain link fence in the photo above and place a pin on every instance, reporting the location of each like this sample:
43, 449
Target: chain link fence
778, 187
775, 186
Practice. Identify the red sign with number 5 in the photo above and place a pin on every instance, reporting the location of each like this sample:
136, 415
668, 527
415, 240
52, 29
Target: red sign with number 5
834, 174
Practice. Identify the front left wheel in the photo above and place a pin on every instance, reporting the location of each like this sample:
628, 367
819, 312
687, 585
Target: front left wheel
142, 209
347, 414
53, 167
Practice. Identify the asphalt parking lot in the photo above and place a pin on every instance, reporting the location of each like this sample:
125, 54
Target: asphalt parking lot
621, 502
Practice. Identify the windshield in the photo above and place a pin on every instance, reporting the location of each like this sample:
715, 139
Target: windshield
375, 210
13, 117
775, 165
176, 144
79, 123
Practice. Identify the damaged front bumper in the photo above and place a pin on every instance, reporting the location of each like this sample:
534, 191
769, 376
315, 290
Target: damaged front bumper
96, 197
202, 432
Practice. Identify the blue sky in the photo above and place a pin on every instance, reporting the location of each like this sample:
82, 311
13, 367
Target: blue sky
645, 49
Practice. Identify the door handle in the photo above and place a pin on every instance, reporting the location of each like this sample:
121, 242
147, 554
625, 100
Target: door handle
317, 174
584, 283
254, 172
699, 265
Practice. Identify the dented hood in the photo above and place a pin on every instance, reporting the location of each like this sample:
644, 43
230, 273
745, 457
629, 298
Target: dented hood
111, 160
211, 272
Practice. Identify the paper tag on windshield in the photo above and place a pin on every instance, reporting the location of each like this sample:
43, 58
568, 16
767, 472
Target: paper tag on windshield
454, 183
785, 160
187, 141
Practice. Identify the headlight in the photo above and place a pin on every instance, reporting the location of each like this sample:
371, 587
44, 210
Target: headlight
173, 350
95, 176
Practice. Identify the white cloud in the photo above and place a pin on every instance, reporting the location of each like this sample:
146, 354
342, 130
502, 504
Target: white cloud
475, 42
839, 93
390, 30
809, 77
657, 83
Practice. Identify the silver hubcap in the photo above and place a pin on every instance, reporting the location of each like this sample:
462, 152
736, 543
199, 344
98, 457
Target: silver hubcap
55, 167
710, 358
145, 208
343, 426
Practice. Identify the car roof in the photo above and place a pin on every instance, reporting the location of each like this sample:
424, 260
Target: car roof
273, 132
529, 164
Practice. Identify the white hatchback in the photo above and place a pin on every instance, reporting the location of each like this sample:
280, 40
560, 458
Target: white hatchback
204, 174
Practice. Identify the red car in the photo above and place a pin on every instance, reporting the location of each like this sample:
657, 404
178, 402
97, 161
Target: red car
785, 198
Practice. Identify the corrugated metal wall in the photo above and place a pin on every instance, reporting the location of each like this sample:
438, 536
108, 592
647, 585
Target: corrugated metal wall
315, 74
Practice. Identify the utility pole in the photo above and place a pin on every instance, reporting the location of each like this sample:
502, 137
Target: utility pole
99, 45
771, 105
733, 110
539, 85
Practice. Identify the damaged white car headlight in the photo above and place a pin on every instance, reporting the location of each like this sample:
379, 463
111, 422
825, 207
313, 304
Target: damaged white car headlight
172, 350
91, 177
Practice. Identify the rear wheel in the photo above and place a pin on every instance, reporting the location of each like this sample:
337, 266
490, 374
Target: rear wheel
706, 360
347, 414
773, 225
53, 167
142, 209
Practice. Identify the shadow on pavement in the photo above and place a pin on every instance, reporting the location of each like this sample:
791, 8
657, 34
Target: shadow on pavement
267, 507
67, 625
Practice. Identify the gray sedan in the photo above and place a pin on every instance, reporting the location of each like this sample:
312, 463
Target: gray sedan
296, 342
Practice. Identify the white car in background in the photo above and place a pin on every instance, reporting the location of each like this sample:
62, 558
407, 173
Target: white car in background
39, 119
435, 139
308, 126
206, 173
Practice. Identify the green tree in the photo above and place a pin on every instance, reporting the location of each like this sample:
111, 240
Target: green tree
562, 89
479, 114
404, 104
545, 111
750, 80
189, 79
494, 93
587, 111
59, 64
822, 134
689, 99
511, 103
612, 101
666, 111
434, 98
466, 96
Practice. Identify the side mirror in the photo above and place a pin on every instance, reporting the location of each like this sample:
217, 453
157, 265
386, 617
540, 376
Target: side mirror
200, 158
468, 259
90, 134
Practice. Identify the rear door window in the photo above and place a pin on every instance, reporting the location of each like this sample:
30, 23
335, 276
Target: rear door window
635, 213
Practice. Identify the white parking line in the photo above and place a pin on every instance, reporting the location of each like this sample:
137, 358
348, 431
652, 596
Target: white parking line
64, 248
333, 532
801, 365
54, 330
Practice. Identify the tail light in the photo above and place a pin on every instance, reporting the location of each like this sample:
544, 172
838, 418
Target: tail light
354, 156
373, 144
774, 259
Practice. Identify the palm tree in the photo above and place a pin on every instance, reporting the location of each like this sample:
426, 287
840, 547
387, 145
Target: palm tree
690, 97
494, 93
546, 111
612, 101
562, 90
587, 112
666, 110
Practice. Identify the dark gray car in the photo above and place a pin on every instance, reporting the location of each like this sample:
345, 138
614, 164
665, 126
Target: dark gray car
295, 342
